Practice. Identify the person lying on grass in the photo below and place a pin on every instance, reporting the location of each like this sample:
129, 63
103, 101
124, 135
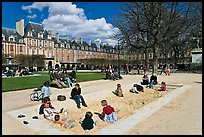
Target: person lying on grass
108, 114
118, 91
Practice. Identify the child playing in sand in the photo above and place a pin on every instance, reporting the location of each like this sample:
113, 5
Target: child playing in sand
48, 113
57, 120
45, 101
163, 87
118, 91
137, 88
108, 113
87, 123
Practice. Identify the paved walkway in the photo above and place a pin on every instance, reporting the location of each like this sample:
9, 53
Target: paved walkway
20, 99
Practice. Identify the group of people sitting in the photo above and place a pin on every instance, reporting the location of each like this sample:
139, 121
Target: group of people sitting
63, 79
152, 82
46, 108
111, 74
140, 88
108, 114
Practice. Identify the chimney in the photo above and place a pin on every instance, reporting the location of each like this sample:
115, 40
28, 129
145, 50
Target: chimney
75, 40
89, 42
66, 38
57, 36
50, 33
80, 40
20, 26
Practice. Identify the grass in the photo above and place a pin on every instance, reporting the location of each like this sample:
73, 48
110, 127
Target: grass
19, 83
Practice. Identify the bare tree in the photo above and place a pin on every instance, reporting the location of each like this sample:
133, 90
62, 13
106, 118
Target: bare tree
152, 26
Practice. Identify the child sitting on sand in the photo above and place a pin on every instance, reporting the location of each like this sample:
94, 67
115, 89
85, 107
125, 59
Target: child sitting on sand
118, 91
45, 101
108, 113
48, 113
163, 87
87, 123
137, 88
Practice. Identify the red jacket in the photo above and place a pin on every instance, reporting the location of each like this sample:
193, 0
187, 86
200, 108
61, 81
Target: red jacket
107, 110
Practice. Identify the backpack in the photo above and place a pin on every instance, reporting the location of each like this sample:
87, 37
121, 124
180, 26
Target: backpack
61, 98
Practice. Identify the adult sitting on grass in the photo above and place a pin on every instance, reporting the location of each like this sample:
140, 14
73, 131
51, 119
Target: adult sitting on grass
76, 95
117, 76
66, 79
72, 76
60, 79
53, 78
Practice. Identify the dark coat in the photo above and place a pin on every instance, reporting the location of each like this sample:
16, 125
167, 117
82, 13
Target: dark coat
74, 92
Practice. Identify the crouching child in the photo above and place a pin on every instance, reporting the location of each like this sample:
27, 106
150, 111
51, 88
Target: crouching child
88, 122
108, 113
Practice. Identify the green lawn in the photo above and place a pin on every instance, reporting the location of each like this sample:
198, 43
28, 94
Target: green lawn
17, 83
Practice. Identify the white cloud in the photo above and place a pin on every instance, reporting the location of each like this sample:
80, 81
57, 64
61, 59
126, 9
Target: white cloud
32, 16
67, 19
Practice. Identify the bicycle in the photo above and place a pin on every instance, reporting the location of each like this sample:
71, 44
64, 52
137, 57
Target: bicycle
36, 96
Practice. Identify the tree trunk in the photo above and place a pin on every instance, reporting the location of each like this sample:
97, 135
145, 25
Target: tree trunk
155, 60
147, 59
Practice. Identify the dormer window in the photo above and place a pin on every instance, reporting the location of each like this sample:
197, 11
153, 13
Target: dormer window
40, 35
3, 38
49, 37
11, 39
30, 33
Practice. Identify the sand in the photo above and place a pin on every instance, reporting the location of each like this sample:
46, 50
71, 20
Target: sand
93, 93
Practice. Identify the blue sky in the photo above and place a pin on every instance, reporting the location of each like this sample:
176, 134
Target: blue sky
97, 17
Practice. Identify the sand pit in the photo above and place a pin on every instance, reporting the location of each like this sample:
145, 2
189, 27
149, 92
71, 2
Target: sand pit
124, 107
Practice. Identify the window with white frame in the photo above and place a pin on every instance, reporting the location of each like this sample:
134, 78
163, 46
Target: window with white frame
30, 33
11, 39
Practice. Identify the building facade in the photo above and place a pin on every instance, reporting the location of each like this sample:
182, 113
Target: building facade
33, 39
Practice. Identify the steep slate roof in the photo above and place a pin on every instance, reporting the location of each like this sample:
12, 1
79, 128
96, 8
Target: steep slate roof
8, 32
35, 28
